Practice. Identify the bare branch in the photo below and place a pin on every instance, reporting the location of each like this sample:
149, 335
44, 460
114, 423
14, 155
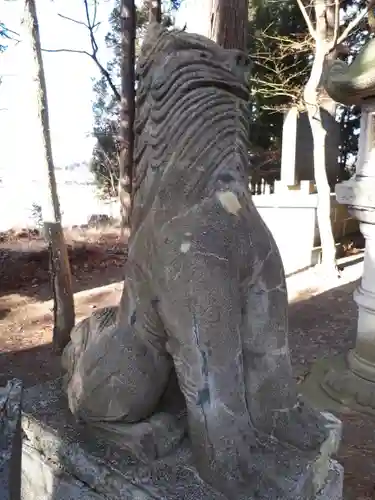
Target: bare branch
101, 68
307, 19
90, 25
81, 23
355, 22
72, 20
282, 73
337, 23
8, 30
8, 33
94, 23
74, 51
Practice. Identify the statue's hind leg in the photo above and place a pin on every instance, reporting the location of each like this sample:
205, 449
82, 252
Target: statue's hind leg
202, 315
274, 403
227, 336
123, 371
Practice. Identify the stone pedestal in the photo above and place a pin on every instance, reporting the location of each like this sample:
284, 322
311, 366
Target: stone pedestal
62, 460
350, 379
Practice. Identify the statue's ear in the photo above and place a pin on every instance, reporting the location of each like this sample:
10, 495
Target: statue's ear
152, 34
154, 29
240, 63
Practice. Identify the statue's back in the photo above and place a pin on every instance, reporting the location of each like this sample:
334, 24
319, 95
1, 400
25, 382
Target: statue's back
204, 292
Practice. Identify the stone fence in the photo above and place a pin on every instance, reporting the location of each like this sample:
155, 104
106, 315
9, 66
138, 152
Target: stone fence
290, 213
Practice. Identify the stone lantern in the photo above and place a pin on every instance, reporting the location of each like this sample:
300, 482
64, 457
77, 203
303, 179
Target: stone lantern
350, 379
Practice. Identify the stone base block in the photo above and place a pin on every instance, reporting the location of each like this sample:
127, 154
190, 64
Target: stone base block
333, 489
64, 460
331, 384
348, 388
43, 480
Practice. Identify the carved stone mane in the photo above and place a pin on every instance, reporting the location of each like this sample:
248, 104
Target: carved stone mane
185, 83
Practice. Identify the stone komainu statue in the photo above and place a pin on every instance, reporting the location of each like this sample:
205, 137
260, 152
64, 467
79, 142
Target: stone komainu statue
204, 292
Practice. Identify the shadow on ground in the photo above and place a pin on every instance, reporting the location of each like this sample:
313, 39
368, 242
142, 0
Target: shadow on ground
4, 311
323, 326
32, 366
27, 272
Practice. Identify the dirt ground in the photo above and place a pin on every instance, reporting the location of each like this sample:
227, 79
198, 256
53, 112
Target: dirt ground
96, 258
322, 323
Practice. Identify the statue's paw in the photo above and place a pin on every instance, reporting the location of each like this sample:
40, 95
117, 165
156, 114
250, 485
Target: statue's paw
300, 426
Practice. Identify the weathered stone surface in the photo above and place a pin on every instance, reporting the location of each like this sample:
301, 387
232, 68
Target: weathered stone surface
204, 298
10, 440
333, 489
69, 460
82, 334
41, 480
334, 384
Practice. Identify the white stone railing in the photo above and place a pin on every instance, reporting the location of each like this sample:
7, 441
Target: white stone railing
290, 214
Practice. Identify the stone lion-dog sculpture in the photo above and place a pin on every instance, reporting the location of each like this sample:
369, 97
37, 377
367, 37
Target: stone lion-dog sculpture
204, 292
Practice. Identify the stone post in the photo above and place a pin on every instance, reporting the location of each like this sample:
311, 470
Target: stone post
289, 147
362, 358
353, 382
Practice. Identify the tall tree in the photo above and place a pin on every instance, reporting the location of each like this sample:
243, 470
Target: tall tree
64, 315
229, 23
128, 35
155, 11
323, 20
106, 107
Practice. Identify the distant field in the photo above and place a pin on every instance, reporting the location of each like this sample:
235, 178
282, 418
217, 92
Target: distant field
77, 201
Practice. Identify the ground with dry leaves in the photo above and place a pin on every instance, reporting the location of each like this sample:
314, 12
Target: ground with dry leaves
322, 323
96, 258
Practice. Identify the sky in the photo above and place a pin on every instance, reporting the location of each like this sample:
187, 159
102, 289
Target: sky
69, 79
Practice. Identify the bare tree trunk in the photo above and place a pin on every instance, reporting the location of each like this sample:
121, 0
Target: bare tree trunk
154, 11
312, 102
61, 281
128, 34
64, 315
229, 23
324, 34
326, 27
